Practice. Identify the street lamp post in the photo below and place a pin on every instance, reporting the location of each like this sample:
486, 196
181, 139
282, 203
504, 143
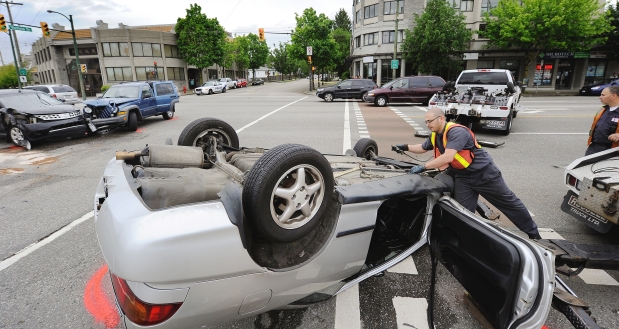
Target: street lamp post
77, 56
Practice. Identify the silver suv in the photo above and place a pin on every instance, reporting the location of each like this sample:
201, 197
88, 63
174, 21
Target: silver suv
63, 93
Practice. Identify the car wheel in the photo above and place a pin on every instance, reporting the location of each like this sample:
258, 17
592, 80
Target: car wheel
328, 97
381, 101
508, 124
514, 113
133, 121
363, 95
198, 133
287, 191
169, 114
426, 102
365, 147
16, 135
210, 91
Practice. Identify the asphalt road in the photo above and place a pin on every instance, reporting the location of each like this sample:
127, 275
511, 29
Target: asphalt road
45, 189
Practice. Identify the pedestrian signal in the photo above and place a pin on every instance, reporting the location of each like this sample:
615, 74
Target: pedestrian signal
45, 29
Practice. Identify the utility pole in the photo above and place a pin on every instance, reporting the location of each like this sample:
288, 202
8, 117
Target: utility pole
14, 34
395, 44
1, 58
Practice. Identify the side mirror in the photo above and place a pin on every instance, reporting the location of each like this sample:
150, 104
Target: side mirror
338, 87
391, 87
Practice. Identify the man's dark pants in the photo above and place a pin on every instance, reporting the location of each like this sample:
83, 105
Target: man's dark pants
488, 182
596, 147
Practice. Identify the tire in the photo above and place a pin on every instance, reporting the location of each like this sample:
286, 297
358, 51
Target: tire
328, 97
508, 124
210, 91
17, 137
364, 147
514, 113
426, 102
363, 94
194, 133
169, 114
133, 121
381, 101
271, 191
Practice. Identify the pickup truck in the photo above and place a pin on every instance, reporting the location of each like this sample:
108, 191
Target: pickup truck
230, 84
488, 97
128, 103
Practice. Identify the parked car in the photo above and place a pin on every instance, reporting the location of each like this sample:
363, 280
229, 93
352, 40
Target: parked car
230, 84
414, 89
596, 89
290, 228
209, 87
255, 82
351, 88
241, 83
30, 115
63, 93
128, 103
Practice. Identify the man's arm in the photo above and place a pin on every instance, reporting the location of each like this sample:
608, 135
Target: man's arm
442, 160
417, 149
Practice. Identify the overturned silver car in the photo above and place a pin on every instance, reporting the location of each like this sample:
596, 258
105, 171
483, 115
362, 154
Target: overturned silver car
206, 232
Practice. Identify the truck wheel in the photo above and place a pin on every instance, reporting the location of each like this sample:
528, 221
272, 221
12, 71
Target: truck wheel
381, 101
365, 147
198, 133
287, 192
133, 121
169, 114
508, 124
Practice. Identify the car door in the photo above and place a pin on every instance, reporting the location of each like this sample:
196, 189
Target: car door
510, 279
164, 95
356, 89
419, 90
148, 103
399, 91
342, 90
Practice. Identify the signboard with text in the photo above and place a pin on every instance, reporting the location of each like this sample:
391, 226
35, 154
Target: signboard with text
394, 63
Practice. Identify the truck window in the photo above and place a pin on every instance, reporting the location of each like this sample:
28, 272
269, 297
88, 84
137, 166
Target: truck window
164, 89
483, 78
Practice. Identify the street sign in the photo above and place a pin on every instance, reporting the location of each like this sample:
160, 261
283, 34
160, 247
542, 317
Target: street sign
23, 78
394, 63
23, 71
20, 28
309, 51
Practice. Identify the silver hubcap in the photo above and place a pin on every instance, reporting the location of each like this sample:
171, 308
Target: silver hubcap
382, 101
170, 113
297, 197
16, 135
328, 97
218, 133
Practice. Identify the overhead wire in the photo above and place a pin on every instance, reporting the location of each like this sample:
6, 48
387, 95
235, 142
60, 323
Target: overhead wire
231, 12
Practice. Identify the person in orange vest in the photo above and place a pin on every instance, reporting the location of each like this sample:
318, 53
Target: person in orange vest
604, 133
473, 170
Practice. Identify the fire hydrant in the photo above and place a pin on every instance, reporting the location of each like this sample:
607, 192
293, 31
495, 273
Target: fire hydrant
184, 89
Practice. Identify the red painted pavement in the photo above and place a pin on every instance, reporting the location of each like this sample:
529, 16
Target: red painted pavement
97, 303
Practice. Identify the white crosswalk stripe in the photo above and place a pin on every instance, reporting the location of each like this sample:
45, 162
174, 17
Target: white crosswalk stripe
407, 266
408, 120
363, 132
411, 312
347, 312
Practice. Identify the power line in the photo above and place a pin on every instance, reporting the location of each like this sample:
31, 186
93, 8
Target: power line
35, 16
231, 12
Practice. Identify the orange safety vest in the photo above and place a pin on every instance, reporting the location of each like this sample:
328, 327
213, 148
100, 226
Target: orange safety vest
595, 121
462, 159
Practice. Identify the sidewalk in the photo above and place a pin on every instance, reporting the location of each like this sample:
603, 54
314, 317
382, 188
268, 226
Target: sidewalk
544, 92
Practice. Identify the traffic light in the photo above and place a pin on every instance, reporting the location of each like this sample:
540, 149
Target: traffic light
2, 23
313, 68
309, 59
83, 68
45, 29
261, 34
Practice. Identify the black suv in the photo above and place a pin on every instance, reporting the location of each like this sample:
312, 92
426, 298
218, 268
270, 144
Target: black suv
351, 88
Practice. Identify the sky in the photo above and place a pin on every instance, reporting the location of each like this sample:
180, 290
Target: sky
236, 16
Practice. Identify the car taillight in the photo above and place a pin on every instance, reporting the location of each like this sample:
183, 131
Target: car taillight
503, 108
432, 103
573, 181
54, 95
138, 311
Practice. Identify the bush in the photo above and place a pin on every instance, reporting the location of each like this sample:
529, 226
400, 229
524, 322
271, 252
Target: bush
345, 76
104, 88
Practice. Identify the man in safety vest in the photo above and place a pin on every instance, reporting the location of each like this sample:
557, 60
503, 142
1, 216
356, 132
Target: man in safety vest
604, 133
474, 171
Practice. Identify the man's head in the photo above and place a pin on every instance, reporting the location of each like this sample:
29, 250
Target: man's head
610, 96
435, 119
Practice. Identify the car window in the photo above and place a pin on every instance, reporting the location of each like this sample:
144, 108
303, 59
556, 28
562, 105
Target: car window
401, 83
145, 91
345, 84
63, 89
369, 83
419, 82
483, 78
28, 100
122, 92
436, 82
40, 88
164, 89
358, 84
208, 84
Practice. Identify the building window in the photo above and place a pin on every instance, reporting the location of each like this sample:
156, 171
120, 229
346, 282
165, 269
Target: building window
463, 5
388, 36
358, 42
543, 74
176, 73
485, 64
146, 49
370, 39
488, 5
171, 51
114, 49
148, 73
370, 11
390, 6
49, 55
358, 15
119, 74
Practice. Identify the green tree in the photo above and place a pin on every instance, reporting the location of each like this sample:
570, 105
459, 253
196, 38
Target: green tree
612, 37
257, 52
542, 25
342, 21
240, 52
201, 40
438, 39
342, 39
282, 61
227, 59
8, 76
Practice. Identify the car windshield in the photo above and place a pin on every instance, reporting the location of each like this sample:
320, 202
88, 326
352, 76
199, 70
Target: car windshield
25, 101
63, 89
207, 84
483, 78
389, 84
122, 92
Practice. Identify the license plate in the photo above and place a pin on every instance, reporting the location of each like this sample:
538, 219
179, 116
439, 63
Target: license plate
571, 206
92, 127
495, 124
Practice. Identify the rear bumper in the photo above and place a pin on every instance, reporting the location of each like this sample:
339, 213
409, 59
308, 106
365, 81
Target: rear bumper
74, 127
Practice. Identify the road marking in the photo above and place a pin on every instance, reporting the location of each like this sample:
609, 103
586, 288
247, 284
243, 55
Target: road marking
589, 276
33, 247
421, 108
268, 114
407, 266
550, 133
529, 112
411, 312
347, 141
97, 303
347, 312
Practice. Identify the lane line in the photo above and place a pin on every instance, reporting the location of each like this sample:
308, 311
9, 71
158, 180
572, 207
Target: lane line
407, 266
347, 312
421, 108
268, 114
411, 312
33, 247
347, 142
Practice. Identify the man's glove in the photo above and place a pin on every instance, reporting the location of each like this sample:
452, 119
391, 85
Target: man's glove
403, 147
417, 170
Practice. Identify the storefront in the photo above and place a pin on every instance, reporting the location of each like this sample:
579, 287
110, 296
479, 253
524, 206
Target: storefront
596, 68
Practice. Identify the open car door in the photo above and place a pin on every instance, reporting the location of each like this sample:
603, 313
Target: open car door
510, 279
